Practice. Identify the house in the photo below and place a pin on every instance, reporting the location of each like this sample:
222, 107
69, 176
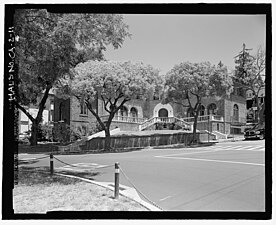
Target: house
24, 123
251, 105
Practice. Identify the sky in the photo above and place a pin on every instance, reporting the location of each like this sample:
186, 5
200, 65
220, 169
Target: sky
166, 40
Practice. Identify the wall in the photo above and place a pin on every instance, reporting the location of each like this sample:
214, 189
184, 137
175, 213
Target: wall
81, 121
37, 148
124, 142
124, 126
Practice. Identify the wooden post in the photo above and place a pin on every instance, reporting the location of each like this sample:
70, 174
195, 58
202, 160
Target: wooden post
51, 164
116, 187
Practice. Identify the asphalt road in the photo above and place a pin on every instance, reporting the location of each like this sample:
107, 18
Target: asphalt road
229, 176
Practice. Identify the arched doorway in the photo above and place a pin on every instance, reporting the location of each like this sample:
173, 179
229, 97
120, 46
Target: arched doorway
134, 114
160, 106
163, 113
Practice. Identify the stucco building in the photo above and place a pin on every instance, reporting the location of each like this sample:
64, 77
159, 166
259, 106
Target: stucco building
221, 115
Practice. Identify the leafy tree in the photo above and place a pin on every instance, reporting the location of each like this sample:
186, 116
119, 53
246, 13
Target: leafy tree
187, 83
114, 83
249, 74
49, 45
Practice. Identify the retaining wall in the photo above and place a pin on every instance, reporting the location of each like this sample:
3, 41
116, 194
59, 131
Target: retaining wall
37, 149
135, 141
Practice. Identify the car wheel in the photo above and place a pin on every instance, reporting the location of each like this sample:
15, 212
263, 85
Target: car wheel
261, 137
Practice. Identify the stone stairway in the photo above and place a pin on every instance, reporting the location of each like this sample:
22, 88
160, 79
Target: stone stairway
166, 122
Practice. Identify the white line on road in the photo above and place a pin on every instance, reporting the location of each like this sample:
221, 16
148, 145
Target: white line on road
163, 199
187, 153
213, 160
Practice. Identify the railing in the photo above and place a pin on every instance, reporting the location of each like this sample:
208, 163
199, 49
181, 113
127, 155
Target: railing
126, 119
204, 118
183, 124
237, 121
165, 120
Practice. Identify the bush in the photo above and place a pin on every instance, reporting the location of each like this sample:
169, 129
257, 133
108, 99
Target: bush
61, 133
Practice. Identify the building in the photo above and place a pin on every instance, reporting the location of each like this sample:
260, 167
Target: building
220, 115
47, 117
217, 114
251, 105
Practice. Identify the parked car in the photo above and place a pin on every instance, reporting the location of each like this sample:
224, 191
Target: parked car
257, 132
249, 126
24, 137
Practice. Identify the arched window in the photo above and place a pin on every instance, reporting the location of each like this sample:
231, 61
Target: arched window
211, 109
83, 109
133, 112
123, 111
189, 112
201, 110
61, 111
236, 113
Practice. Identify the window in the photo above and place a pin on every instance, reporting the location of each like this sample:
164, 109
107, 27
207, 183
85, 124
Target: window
201, 110
61, 111
211, 109
51, 115
190, 112
123, 111
235, 113
83, 109
134, 114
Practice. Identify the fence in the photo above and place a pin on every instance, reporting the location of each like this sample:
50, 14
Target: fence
135, 141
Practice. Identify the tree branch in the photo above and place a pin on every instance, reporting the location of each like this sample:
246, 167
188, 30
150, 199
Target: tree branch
105, 104
24, 111
89, 106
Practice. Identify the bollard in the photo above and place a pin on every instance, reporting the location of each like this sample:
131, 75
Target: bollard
51, 164
116, 187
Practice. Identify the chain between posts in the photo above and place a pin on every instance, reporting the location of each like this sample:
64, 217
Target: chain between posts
153, 203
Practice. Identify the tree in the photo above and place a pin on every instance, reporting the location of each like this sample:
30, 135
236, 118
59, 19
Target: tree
187, 83
114, 83
249, 74
49, 45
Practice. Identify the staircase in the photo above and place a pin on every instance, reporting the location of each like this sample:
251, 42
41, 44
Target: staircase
165, 121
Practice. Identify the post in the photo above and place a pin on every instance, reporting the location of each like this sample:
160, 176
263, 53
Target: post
117, 173
208, 128
51, 164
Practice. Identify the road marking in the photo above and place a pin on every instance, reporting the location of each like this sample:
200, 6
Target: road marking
213, 160
246, 148
163, 199
186, 153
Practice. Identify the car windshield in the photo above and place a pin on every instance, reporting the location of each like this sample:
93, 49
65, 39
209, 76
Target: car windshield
259, 126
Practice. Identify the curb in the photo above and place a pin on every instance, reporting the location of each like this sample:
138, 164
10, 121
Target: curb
130, 193
230, 140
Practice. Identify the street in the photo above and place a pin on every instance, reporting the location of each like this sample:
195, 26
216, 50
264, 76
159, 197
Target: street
228, 176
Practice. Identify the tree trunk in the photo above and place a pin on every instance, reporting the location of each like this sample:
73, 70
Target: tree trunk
107, 139
34, 134
194, 141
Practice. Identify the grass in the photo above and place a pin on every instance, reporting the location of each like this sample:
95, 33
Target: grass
38, 192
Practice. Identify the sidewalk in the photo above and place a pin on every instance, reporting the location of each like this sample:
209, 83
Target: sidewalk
232, 139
